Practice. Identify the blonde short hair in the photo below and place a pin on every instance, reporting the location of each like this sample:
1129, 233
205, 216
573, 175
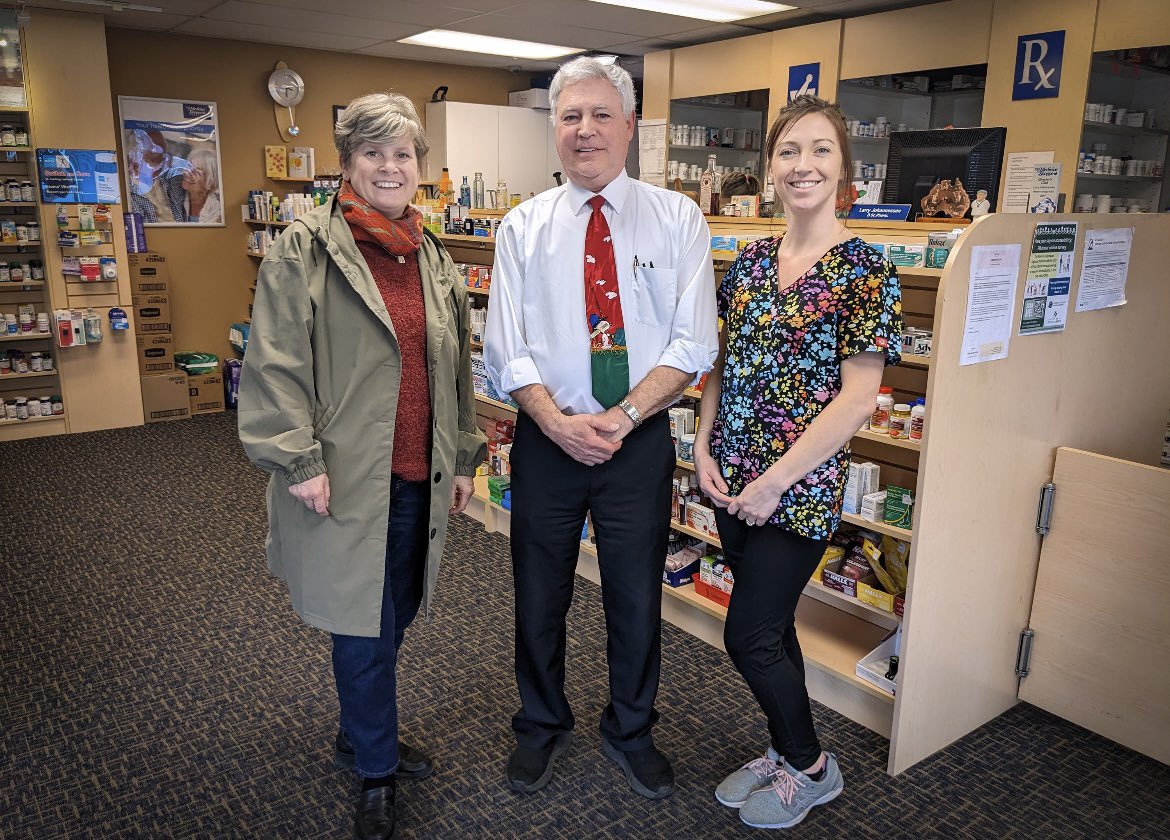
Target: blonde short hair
378, 118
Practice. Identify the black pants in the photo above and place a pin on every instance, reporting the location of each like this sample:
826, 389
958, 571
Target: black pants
628, 498
771, 567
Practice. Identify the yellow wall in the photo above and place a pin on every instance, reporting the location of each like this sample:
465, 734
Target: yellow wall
67, 84
721, 67
924, 38
1040, 125
1126, 24
210, 272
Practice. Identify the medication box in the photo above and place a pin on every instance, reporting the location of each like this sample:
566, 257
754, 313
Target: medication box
863, 480
165, 397
832, 578
873, 507
156, 354
906, 256
205, 393
899, 507
702, 520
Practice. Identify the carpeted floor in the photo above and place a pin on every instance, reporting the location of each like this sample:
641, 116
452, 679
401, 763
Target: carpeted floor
155, 684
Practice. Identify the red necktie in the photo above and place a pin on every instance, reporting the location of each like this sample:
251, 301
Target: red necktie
603, 311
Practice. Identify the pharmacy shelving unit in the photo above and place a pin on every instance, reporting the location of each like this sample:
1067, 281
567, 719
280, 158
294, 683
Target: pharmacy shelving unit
992, 431
19, 162
1135, 87
746, 110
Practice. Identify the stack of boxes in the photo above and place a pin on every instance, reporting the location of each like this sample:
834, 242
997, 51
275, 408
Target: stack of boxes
164, 389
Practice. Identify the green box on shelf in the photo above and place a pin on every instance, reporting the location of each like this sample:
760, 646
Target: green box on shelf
899, 506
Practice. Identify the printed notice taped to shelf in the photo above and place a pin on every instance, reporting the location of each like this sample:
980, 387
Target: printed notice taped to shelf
1046, 288
1104, 268
652, 152
1020, 179
994, 272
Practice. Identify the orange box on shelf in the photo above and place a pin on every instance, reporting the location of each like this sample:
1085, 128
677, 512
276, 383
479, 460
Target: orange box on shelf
720, 597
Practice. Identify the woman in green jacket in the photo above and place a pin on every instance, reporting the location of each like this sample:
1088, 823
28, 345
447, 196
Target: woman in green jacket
356, 396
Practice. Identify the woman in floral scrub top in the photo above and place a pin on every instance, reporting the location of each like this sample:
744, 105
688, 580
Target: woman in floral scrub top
809, 322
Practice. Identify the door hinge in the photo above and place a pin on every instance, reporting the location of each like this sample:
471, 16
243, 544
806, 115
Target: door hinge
1024, 654
1044, 511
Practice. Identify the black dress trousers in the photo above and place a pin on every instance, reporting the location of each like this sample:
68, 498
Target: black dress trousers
628, 498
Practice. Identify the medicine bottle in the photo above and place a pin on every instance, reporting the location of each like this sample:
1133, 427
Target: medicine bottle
880, 420
900, 421
917, 420
46, 406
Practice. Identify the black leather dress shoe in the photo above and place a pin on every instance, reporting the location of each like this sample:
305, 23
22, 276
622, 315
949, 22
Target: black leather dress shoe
413, 764
375, 814
647, 770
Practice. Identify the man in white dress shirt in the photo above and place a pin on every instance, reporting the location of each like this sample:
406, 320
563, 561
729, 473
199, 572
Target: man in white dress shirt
602, 311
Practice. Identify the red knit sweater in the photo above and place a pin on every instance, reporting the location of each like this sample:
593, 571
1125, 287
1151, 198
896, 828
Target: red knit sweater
401, 287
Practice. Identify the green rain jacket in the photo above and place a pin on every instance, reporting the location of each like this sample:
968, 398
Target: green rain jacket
319, 393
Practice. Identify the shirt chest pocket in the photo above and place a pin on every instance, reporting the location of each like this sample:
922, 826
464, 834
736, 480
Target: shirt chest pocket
655, 291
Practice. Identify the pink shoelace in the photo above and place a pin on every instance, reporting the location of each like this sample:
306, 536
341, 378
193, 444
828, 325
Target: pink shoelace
785, 784
763, 767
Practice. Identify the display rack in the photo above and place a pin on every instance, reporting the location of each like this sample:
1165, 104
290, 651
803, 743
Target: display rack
745, 111
19, 163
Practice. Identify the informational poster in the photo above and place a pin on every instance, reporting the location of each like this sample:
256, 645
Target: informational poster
652, 152
78, 176
1104, 268
994, 272
173, 172
1044, 191
1021, 174
1046, 288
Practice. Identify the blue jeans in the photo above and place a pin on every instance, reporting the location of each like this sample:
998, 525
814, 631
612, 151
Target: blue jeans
364, 666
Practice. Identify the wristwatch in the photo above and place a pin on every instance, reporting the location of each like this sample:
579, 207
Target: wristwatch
631, 412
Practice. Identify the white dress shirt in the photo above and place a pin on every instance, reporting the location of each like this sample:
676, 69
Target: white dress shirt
537, 332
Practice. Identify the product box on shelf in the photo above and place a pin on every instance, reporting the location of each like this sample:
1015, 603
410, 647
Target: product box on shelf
165, 397
531, 98
205, 393
863, 480
832, 576
832, 554
702, 519
148, 273
152, 312
156, 354
906, 256
870, 591
899, 506
681, 566
874, 666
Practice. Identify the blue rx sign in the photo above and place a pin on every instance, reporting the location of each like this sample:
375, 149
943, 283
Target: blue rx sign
1038, 60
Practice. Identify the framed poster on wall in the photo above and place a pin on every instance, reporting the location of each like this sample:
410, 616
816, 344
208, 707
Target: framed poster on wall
172, 162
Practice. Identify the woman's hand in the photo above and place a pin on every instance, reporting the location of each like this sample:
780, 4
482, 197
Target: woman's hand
758, 501
314, 493
461, 490
710, 476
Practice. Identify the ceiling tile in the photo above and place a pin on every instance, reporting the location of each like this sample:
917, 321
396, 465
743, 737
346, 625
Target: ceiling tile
634, 22
144, 20
707, 34
326, 22
424, 15
272, 35
186, 8
641, 47
477, 6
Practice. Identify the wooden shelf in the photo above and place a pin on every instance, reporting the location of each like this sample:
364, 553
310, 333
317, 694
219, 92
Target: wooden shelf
464, 239
742, 109
494, 403
14, 148
19, 285
28, 336
1127, 130
29, 204
476, 345
904, 534
21, 247
256, 254
293, 180
915, 360
32, 420
713, 149
473, 290
1149, 179
691, 532
262, 223
878, 437
853, 139
14, 109
919, 271
39, 374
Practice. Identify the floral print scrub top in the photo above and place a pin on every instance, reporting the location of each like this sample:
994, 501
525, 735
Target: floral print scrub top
783, 366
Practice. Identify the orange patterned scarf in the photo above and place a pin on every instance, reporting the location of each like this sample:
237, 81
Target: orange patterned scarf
400, 237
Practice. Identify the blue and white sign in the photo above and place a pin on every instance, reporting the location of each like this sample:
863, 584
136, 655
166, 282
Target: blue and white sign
78, 176
804, 78
880, 212
1038, 61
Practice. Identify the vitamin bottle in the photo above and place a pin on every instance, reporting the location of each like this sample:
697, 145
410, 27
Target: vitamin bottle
917, 420
880, 420
900, 421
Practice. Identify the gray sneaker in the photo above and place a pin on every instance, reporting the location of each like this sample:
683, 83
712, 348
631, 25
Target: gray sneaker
736, 788
791, 795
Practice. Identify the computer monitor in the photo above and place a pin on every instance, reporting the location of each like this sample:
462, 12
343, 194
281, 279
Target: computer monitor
920, 159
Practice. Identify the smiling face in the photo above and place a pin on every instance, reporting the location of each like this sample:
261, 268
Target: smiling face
592, 135
385, 175
807, 166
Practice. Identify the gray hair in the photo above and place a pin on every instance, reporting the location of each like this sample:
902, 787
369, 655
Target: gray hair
378, 118
585, 68
205, 159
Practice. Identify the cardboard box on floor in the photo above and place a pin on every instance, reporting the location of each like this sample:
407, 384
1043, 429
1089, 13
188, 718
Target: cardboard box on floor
165, 397
206, 393
152, 312
156, 354
148, 273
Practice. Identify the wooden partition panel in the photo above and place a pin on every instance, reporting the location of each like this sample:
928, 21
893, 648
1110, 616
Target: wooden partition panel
991, 436
951, 34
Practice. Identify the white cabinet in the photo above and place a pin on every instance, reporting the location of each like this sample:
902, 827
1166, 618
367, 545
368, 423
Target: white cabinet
515, 144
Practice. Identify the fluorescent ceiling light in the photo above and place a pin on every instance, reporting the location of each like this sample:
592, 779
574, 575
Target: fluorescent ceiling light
446, 39
720, 11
